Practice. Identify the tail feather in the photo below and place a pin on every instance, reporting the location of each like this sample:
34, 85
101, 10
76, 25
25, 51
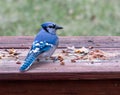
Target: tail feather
28, 62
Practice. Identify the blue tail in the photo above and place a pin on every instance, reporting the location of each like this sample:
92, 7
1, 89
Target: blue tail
28, 62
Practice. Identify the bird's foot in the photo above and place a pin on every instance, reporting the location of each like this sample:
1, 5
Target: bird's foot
54, 58
38, 60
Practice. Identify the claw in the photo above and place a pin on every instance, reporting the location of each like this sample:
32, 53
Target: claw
54, 59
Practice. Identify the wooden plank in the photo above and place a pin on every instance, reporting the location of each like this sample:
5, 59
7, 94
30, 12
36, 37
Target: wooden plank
96, 87
60, 76
112, 60
77, 41
100, 77
47, 70
15, 42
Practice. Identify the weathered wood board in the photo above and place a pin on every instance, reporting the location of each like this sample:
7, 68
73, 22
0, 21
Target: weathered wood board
83, 77
49, 70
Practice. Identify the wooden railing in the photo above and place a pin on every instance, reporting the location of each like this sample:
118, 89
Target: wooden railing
48, 78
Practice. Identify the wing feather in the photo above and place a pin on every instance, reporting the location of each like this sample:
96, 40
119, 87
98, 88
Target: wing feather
36, 49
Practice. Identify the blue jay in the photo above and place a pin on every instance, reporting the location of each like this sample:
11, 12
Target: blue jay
43, 45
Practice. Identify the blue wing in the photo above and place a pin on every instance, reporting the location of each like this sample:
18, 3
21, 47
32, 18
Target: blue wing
36, 49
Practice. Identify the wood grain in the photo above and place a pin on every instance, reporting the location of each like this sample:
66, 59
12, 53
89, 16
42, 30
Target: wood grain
47, 70
96, 87
77, 41
101, 77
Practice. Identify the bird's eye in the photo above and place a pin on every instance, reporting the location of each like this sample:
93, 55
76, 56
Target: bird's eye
54, 26
50, 26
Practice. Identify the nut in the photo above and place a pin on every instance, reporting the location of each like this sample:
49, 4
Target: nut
18, 62
62, 63
73, 60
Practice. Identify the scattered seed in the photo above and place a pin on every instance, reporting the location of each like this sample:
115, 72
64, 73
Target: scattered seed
63, 51
0, 57
18, 62
62, 63
60, 58
16, 53
73, 60
90, 47
17, 57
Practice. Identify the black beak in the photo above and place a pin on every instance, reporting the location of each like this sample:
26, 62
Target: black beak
59, 27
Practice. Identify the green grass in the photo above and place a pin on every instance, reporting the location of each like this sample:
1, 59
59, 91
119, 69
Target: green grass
78, 17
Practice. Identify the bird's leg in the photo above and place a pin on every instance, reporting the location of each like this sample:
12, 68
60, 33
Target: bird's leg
38, 60
54, 58
48, 58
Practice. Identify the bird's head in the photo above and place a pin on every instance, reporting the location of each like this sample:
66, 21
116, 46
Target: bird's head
51, 27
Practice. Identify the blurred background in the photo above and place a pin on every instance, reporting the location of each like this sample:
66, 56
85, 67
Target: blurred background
78, 17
